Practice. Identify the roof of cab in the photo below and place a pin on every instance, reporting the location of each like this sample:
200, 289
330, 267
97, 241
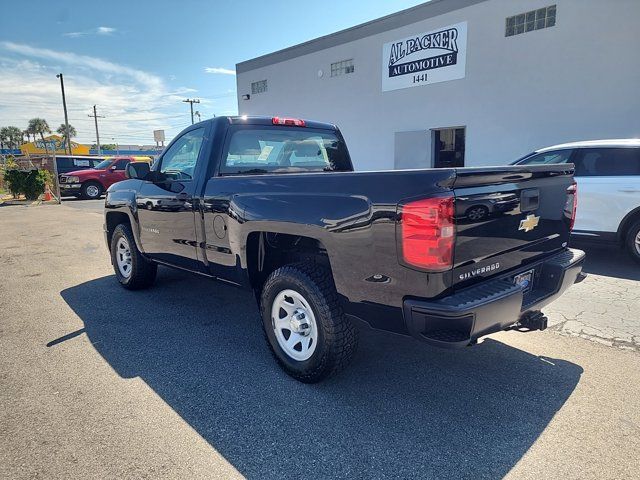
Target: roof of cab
264, 120
622, 142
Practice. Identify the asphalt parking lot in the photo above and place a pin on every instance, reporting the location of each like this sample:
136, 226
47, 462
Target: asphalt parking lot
176, 382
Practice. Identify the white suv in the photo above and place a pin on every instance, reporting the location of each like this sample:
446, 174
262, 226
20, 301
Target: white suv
608, 177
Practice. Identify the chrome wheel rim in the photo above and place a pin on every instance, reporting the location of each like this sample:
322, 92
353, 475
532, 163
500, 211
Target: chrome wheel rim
93, 191
123, 257
294, 325
476, 214
637, 242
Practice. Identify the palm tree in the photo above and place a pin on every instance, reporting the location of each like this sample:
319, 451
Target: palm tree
4, 138
62, 130
11, 136
39, 126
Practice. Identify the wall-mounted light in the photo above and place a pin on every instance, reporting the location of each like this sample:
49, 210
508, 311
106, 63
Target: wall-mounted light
246, 96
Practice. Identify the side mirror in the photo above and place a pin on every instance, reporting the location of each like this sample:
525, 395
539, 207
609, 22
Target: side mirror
112, 167
139, 170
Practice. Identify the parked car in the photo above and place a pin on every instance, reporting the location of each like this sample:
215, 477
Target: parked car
71, 163
273, 205
477, 208
608, 177
91, 183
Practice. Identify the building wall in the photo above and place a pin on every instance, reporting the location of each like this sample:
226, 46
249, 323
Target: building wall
577, 80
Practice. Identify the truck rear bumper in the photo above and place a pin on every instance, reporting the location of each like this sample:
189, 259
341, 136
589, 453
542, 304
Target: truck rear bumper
494, 305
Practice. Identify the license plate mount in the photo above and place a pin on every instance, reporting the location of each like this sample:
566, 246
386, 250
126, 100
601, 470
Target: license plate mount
524, 280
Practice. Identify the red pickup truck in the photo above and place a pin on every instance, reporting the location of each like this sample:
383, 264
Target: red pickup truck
93, 182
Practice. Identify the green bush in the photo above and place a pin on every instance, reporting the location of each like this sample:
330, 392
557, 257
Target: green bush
31, 183
15, 180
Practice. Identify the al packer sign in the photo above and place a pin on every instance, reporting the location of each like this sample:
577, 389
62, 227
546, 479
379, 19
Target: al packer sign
425, 58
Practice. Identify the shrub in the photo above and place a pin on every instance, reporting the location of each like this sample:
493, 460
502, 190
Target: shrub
31, 183
15, 180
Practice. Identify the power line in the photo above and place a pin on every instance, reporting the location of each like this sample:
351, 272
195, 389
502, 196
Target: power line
191, 101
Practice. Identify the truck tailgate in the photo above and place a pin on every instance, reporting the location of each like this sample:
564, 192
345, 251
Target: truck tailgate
508, 217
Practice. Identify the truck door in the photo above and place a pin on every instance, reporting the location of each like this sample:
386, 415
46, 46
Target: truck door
115, 173
166, 206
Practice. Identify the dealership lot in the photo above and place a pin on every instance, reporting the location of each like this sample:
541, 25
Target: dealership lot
176, 381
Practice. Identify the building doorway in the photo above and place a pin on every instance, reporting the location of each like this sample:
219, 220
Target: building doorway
448, 147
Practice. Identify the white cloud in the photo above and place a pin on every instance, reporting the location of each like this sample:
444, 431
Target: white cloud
134, 102
94, 31
219, 70
105, 30
93, 63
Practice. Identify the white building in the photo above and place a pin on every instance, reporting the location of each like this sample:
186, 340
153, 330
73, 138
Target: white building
451, 82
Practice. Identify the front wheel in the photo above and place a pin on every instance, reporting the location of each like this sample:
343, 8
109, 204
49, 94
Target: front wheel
132, 270
632, 242
91, 190
303, 322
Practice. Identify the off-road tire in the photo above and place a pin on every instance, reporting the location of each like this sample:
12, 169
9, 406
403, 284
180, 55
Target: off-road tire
143, 271
630, 241
337, 337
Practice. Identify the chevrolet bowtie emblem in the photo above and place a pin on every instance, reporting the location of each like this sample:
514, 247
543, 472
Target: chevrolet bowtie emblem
529, 223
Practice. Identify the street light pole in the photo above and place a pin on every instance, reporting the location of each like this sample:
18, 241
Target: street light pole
66, 117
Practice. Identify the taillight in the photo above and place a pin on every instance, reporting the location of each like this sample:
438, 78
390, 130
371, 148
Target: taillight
571, 204
428, 233
292, 122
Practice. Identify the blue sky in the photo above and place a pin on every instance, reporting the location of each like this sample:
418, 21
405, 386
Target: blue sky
138, 59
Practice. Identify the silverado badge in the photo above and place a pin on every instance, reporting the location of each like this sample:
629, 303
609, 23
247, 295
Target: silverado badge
529, 223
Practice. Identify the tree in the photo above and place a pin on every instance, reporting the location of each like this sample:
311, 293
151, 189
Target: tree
3, 137
39, 126
11, 137
62, 130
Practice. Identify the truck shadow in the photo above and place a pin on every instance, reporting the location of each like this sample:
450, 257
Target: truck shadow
402, 409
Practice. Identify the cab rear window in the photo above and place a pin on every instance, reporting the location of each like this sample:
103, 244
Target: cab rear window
283, 150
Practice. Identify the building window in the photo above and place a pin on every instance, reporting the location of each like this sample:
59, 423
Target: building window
258, 87
342, 68
529, 21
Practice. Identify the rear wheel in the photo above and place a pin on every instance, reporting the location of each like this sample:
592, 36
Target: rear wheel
303, 322
632, 241
132, 270
91, 190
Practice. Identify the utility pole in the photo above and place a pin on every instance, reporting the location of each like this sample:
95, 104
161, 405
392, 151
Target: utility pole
95, 118
191, 101
66, 117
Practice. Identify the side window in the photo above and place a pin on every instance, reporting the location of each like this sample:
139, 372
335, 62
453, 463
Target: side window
64, 163
547, 158
121, 164
604, 162
81, 162
179, 162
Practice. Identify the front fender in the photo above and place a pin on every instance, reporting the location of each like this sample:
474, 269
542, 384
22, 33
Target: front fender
121, 202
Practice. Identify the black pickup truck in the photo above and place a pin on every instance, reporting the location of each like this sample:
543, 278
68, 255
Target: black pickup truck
273, 205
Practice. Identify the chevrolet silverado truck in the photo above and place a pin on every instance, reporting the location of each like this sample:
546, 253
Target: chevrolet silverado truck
273, 205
